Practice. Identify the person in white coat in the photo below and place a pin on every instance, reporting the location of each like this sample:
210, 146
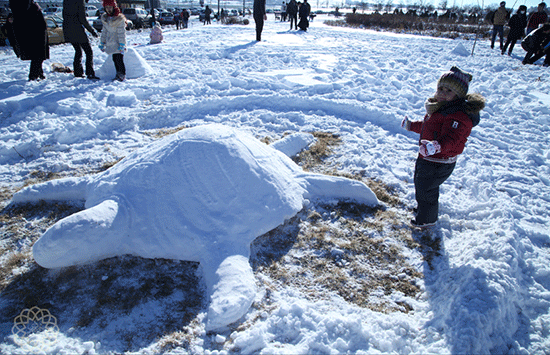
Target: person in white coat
113, 36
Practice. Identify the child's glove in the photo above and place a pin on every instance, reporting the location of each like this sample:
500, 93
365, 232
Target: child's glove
406, 123
94, 34
102, 46
121, 47
428, 148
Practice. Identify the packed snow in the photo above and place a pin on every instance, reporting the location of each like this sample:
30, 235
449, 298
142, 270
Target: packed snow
489, 291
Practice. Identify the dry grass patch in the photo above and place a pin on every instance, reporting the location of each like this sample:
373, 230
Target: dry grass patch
163, 132
345, 250
318, 151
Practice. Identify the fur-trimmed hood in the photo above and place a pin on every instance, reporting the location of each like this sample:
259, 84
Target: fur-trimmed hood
471, 105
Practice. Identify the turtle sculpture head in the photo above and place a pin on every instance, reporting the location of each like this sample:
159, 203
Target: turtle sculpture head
202, 194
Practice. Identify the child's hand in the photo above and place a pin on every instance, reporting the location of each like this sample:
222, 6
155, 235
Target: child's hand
428, 148
102, 46
121, 48
406, 123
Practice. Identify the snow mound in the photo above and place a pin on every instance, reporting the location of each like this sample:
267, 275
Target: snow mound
461, 50
293, 143
135, 65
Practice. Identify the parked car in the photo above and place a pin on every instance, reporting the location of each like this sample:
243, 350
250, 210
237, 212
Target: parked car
53, 10
139, 17
166, 18
91, 10
55, 31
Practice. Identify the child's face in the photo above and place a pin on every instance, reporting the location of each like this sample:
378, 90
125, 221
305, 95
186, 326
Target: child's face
109, 9
444, 94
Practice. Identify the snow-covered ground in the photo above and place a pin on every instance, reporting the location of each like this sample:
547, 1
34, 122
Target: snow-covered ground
488, 291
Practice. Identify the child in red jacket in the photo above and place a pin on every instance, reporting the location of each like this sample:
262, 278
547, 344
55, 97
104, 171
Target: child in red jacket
450, 116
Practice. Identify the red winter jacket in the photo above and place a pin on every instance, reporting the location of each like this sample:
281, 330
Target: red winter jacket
450, 126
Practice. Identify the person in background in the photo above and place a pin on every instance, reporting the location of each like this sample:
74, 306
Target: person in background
283, 12
207, 13
185, 18
292, 11
74, 23
305, 10
537, 45
517, 28
177, 19
259, 15
113, 36
29, 28
537, 18
156, 34
499, 19
7, 30
450, 116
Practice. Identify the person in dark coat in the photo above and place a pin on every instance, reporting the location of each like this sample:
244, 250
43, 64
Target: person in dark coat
259, 17
207, 13
537, 45
7, 30
292, 11
517, 28
31, 34
303, 13
537, 18
74, 23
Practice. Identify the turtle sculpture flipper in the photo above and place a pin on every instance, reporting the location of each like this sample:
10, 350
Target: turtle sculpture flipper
202, 194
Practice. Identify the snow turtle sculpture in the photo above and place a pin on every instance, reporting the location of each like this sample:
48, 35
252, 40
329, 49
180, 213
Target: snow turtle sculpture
202, 194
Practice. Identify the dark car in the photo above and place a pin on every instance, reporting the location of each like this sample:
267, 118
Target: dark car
139, 17
166, 18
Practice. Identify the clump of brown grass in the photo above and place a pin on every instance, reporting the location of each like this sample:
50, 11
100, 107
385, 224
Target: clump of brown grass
163, 132
341, 249
318, 151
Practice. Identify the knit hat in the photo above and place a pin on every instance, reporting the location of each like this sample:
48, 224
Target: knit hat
109, 3
116, 10
456, 80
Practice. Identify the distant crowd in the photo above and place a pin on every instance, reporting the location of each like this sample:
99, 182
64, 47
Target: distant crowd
25, 30
532, 30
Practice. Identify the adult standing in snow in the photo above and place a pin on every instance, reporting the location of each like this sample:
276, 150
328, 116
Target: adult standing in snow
113, 36
450, 116
517, 28
292, 10
304, 12
283, 12
259, 17
185, 18
74, 23
207, 13
29, 28
7, 30
537, 18
177, 19
499, 19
